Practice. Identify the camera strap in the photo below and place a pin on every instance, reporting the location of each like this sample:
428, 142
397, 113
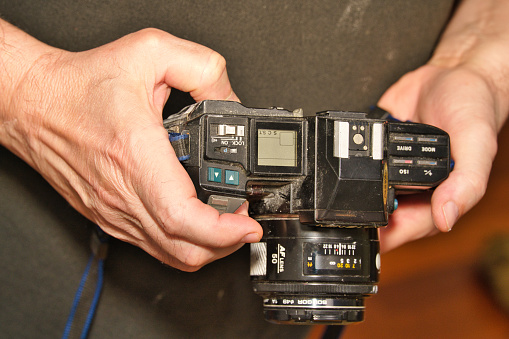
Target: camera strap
180, 144
89, 290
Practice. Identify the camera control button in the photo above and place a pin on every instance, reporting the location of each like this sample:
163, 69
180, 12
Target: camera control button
223, 130
231, 177
240, 131
225, 204
214, 174
358, 139
225, 150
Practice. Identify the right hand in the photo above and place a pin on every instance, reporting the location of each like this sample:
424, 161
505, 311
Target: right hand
91, 124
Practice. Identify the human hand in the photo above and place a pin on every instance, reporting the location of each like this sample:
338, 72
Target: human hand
91, 124
461, 103
463, 90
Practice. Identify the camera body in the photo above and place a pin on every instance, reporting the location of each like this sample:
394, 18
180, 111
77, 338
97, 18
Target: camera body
320, 186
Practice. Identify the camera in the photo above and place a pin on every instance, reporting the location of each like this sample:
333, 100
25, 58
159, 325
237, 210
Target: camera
320, 186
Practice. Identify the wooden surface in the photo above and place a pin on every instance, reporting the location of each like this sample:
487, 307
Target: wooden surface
431, 288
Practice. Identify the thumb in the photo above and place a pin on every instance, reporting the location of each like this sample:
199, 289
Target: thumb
172, 203
473, 148
402, 98
462, 104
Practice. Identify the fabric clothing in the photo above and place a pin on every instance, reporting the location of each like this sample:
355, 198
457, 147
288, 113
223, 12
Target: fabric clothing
339, 55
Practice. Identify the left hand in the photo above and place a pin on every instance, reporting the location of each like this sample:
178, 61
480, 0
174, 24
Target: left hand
462, 103
464, 89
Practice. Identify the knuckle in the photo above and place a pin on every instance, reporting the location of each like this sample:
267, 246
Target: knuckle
189, 269
475, 188
149, 38
172, 220
195, 259
492, 146
213, 68
479, 186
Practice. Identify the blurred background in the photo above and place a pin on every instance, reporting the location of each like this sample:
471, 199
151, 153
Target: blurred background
451, 285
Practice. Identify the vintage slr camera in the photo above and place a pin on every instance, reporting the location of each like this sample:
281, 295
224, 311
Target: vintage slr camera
320, 186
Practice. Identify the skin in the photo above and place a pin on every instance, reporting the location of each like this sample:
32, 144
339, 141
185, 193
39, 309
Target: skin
463, 89
90, 123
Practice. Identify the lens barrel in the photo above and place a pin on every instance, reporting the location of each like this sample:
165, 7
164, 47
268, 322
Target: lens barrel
310, 274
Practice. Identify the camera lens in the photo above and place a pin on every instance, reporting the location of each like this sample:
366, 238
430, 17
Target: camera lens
310, 274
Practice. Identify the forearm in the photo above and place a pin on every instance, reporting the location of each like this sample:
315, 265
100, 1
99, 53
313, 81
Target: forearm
19, 54
477, 39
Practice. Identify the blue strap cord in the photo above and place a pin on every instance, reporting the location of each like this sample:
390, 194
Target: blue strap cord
95, 300
94, 272
391, 118
177, 136
77, 298
178, 141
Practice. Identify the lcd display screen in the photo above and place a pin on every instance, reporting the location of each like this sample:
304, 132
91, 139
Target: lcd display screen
277, 147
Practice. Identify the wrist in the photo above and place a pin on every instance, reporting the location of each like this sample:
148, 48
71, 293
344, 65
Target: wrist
477, 41
20, 56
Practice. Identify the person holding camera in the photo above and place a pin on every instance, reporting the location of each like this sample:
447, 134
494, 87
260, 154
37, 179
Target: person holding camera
89, 122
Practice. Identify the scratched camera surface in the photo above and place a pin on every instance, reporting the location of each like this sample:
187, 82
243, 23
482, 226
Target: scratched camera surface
319, 185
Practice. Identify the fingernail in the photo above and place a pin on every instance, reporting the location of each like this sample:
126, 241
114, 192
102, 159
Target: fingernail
250, 238
451, 213
243, 209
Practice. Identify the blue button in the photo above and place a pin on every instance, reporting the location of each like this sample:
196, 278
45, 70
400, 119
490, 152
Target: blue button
214, 174
231, 177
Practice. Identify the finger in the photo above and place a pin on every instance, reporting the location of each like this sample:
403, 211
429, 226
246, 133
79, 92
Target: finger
243, 209
460, 103
402, 97
203, 225
184, 255
193, 68
174, 207
191, 257
411, 221
473, 149
463, 106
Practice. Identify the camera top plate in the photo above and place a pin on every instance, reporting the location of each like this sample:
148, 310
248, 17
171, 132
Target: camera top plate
331, 169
